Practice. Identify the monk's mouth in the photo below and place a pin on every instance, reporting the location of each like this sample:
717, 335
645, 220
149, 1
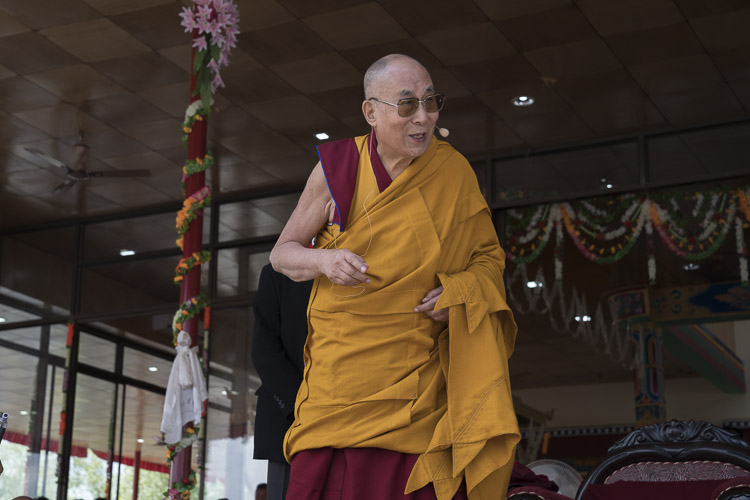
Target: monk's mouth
418, 137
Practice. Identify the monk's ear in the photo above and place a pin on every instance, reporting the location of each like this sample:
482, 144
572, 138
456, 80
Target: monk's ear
368, 109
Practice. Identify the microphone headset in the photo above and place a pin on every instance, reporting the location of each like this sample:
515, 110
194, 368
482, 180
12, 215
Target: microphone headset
444, 132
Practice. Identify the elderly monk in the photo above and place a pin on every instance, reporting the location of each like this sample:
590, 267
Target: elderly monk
405, 391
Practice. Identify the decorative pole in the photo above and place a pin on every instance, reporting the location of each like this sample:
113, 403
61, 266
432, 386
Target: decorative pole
214, 28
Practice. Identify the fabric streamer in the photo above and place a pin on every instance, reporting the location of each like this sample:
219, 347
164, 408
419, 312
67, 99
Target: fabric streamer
186, 391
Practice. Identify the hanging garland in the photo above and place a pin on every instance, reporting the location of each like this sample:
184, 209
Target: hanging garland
189, 309
692, 226
195, 166
195, 112
190, 210
182, 490
188, 263
215, 24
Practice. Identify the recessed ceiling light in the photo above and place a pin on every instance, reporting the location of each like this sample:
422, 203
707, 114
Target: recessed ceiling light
153, 369
522, 100
127, 253
224, 393
23, 412
691, 266
140, 440
583, 318
534, 284
2, 320
322, 136
609, 186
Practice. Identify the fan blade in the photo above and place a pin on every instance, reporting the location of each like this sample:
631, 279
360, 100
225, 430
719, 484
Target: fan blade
120, 173
47, 158
65, 186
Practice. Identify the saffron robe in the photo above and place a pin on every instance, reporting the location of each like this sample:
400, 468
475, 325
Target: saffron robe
379, 375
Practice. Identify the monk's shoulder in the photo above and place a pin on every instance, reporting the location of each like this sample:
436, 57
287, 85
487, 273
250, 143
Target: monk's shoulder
454, 164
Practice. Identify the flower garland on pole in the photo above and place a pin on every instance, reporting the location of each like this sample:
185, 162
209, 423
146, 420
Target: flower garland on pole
606, 229
214, 25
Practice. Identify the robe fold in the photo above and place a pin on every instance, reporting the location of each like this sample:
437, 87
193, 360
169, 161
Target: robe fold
379, 375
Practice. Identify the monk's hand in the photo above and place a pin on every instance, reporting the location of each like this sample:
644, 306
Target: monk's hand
428, 305
344, 267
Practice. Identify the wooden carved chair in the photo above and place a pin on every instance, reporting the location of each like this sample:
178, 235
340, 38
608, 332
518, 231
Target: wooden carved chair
677, 452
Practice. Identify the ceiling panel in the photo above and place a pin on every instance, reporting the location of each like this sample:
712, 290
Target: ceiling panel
306, 76
283, 43
20, 94
672, 75
516, 8
422, 16
342, 29
142, 71
724, 31
610, 18
76, 83
467, 43
157, 27
40, 14
60, 120
122, 109
10, 26
95, 40
656, 44
573, 59
31, 52
706, 104
543, 29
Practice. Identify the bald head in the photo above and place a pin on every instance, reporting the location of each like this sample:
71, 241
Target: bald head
378, 71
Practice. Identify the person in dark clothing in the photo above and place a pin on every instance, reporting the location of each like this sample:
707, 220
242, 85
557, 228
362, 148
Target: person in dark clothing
280, 331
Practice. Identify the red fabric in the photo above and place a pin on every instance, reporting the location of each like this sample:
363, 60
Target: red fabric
340, 160
355, 474
381, 174
729, 484
542, 492
523, 476
663, 490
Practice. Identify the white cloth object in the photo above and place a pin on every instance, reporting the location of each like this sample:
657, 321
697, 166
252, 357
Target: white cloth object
185, 379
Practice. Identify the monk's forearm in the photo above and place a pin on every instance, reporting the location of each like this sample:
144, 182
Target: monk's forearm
297, 262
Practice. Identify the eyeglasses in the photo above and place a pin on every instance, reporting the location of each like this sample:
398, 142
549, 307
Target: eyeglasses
407, 107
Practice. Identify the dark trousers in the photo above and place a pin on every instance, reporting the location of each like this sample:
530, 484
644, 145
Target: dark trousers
278, 480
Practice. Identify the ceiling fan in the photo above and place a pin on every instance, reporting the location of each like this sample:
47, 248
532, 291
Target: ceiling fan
78, 173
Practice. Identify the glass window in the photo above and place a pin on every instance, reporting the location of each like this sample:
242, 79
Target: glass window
37, 274
567, 173
246, 219
141, 456
139, 234
97, 352
230, 470
129, 285
28, 449
146, 367
93, 421
239, 270
28, 337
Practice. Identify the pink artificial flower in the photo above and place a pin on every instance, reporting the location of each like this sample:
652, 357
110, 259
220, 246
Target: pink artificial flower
187, 19
219, 40
214, 28
204, 13
200, 43
213, 66
203, 26
216, 82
